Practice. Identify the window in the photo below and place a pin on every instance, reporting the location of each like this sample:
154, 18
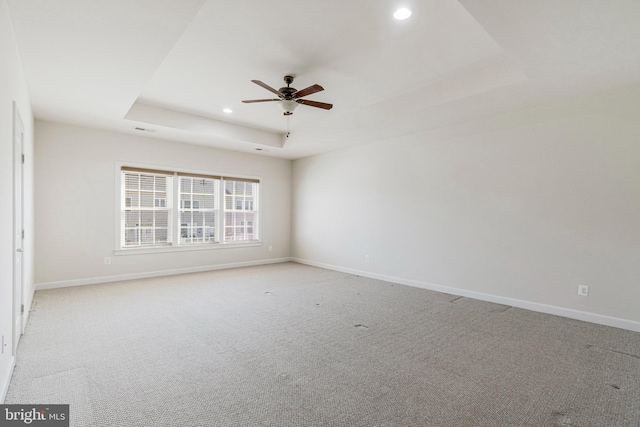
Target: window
198, 209
165, 208
239, 218
146, 216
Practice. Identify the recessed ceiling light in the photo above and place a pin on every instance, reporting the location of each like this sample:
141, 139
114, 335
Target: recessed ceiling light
227, 110
402, 13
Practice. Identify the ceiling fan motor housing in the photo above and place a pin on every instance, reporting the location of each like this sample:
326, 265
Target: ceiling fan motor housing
288, 91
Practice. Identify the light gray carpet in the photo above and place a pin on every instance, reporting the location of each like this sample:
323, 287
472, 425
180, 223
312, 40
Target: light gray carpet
292, 345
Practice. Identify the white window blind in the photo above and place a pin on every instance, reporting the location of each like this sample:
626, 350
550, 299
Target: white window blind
146, 213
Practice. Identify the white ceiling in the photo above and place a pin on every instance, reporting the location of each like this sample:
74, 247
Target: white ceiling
171, 67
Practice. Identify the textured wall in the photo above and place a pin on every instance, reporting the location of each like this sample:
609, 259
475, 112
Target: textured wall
76, 202
524, 206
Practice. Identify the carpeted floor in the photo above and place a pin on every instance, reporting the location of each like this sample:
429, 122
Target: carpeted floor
293, 345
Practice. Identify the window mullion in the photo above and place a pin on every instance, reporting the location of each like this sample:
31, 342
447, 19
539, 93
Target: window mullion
139, 223
175, 211
193, 229
154, 221
221, 212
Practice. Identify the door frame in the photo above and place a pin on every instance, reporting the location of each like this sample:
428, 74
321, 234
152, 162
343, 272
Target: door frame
18, 228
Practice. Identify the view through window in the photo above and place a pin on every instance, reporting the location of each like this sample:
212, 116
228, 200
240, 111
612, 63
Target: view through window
164, 208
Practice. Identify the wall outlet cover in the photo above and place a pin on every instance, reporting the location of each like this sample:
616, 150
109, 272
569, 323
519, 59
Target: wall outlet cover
583, 290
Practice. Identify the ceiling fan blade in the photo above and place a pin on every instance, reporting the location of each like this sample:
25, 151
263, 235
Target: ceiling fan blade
249, 101
315, 104
267, 87
308, 91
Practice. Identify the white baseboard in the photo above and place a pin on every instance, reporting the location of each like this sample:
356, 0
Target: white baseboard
27, 308
528, 305
6, 380
148, 274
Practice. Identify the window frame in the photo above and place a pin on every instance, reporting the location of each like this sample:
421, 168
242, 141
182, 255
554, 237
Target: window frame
175, 245
140, 215
192, 207
243, 213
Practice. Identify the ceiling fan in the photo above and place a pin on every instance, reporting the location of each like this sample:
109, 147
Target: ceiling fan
290, 97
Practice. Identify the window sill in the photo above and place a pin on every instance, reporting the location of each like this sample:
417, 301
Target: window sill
186, 248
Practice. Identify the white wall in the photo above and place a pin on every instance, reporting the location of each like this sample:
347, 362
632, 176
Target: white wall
517, 209
75, 195
12, 88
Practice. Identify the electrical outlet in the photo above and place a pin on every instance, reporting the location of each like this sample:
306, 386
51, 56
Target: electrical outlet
107, 260
270, 248
583, 290
367, 259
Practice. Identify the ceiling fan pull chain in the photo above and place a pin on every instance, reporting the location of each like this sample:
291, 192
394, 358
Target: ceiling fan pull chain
288, 125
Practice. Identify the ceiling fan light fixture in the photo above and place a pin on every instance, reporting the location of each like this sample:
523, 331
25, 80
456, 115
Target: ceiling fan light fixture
288, 106
402, 13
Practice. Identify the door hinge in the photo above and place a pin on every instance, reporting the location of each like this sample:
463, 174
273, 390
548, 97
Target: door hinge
22, 234
23, 158
22, 309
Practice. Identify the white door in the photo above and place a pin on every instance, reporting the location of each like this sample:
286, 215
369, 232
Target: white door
18, 233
